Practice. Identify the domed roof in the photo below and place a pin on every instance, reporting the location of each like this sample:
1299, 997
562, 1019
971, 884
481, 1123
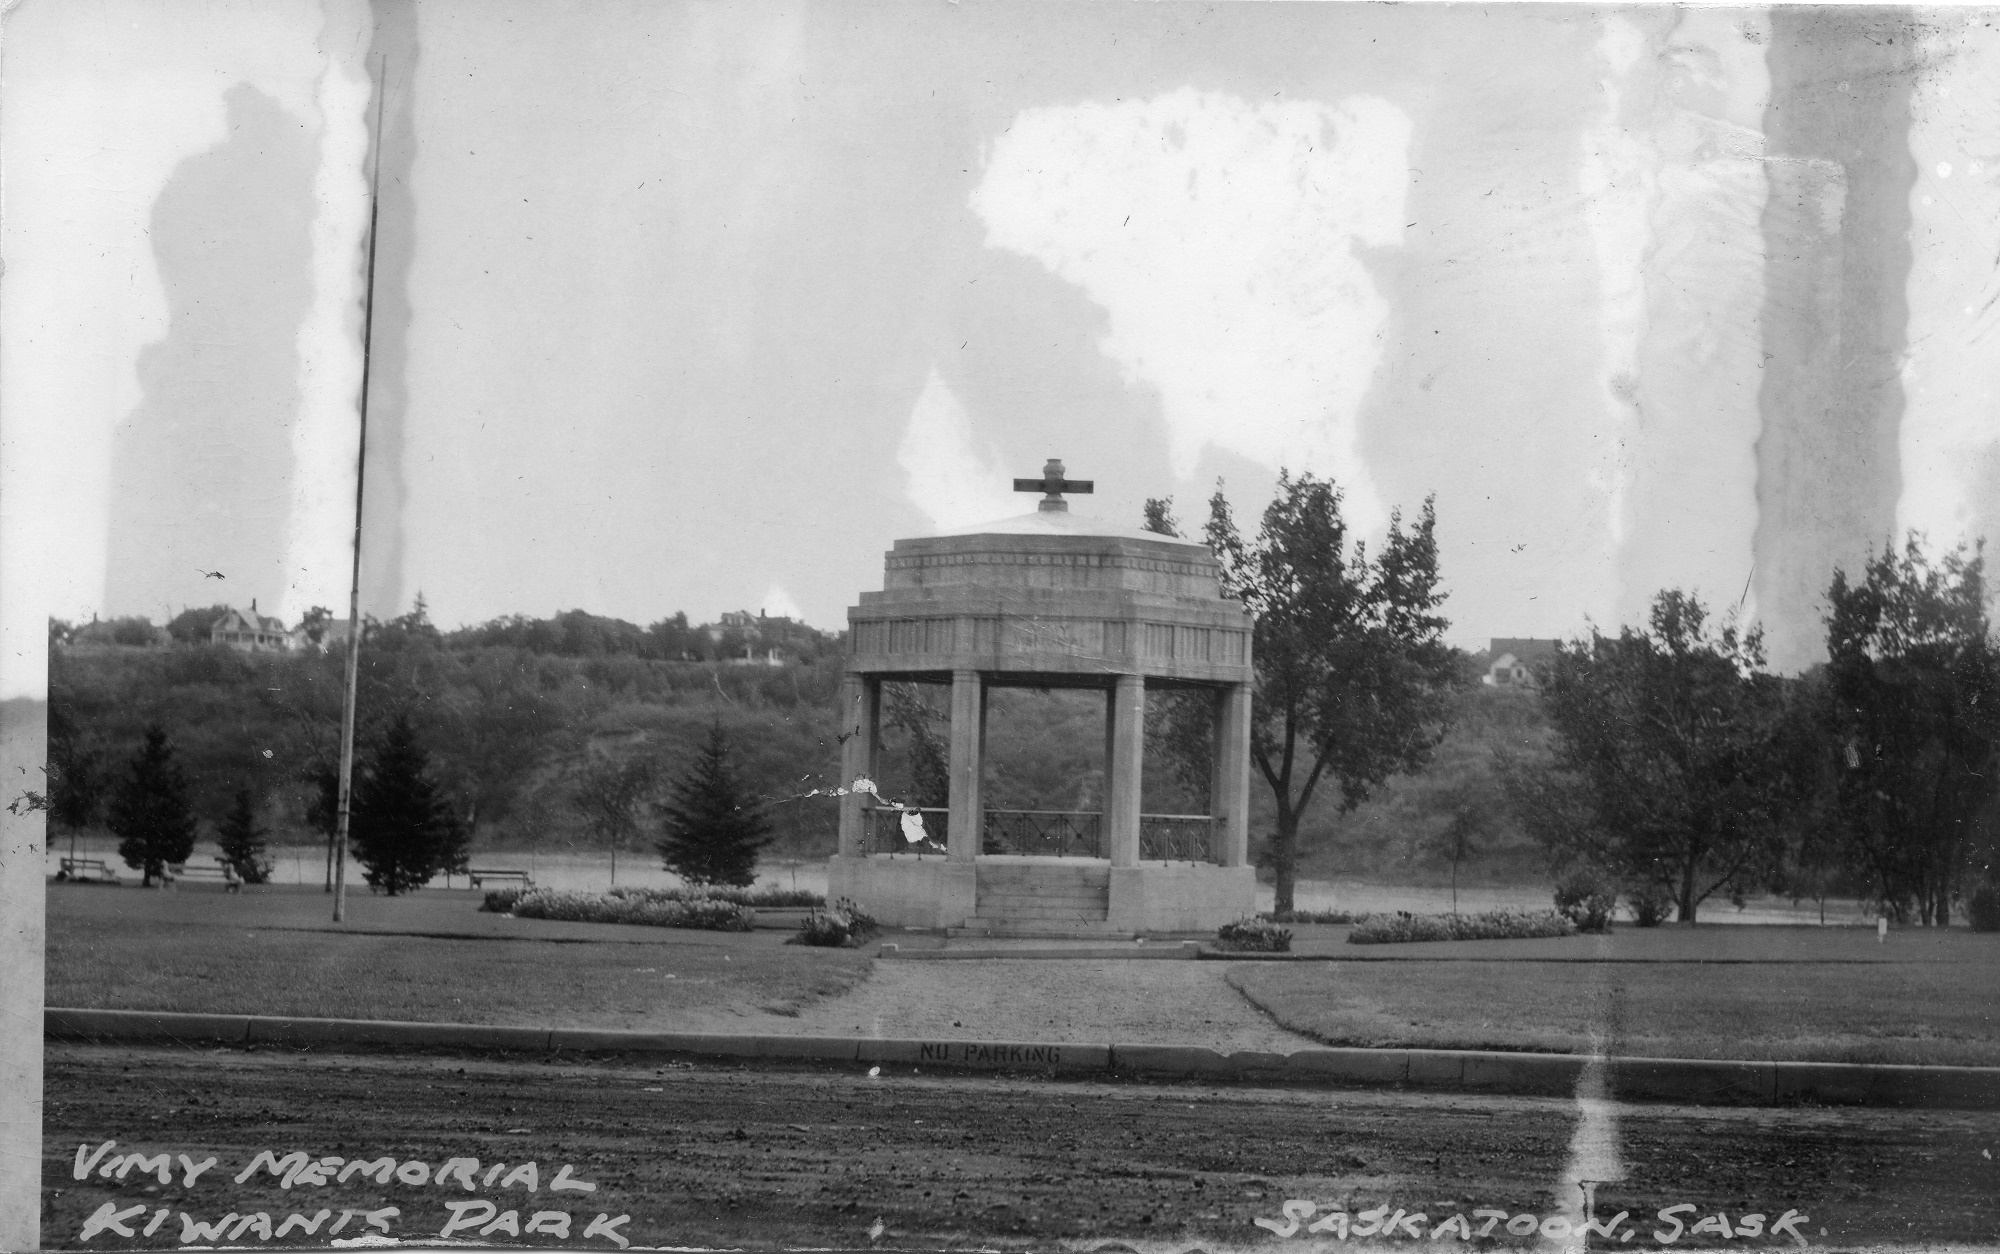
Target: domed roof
1051, 596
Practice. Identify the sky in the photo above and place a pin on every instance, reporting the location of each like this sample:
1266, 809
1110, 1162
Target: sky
700, 307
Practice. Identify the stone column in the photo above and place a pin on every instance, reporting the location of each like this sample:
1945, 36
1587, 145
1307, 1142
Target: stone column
861, 699
1128, 755
968, 716
1229, 778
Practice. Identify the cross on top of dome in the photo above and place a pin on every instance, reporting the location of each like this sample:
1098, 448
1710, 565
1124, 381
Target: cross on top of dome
1052, 485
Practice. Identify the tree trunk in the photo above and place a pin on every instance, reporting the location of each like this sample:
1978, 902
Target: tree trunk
1687, 903
1284, 856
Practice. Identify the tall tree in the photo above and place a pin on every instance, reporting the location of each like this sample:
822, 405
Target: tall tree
315, 623
1468, 819
1914, 679
610, 795
713, 827
1670, 762
241, 839
402, 830
75, 776
150, 813
1354, 679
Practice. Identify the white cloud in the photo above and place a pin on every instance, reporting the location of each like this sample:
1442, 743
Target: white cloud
951, 480
1221, 237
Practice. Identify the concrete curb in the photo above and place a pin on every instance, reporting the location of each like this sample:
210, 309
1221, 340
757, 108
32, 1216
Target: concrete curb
1169, 949
1694, 1081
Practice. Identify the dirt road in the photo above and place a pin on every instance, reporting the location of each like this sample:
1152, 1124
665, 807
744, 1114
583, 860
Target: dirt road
709, 1155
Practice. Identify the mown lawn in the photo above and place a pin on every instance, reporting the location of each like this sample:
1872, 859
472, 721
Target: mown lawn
1832, 995
430, 957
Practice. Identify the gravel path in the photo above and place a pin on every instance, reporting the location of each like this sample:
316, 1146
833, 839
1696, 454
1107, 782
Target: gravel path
1056, 999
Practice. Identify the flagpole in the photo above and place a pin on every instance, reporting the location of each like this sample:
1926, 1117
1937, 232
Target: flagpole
360, 481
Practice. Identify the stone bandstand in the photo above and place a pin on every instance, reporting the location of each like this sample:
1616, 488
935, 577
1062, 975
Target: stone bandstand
1049, 600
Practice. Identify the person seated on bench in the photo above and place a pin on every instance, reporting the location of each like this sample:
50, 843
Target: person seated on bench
77, 868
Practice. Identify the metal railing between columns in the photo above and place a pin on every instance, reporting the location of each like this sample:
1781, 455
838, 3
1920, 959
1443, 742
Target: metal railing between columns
1043, 833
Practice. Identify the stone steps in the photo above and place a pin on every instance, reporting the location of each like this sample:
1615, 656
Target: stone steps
1039, 929
1041, 897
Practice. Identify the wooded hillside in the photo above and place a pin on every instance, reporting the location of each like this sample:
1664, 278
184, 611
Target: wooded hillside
511, 725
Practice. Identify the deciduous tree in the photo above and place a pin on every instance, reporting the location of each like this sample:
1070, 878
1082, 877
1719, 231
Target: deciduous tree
75, 773
611, 794
1669, 757
1354, 680
1914, 681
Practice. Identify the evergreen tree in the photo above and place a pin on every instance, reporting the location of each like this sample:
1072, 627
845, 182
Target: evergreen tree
713, 828
242, 840
150, 813
402, 831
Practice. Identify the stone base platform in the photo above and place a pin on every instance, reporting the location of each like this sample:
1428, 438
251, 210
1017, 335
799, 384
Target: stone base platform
1053, 897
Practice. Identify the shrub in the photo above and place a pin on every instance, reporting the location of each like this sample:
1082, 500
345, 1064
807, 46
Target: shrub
1314, 916
765, 898
1983, 909
501, 900
570, 907
1254, 935
843, 924
1586, 898
1388, 929
1651, 904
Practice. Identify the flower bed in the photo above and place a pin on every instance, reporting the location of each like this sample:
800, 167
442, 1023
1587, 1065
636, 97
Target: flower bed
1315, 916
1389, 929
707, 914
841, 925
1254, 936
763, 898
502, 900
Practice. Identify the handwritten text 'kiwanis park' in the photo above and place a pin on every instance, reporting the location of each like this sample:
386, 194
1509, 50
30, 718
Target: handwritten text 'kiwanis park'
298, 1170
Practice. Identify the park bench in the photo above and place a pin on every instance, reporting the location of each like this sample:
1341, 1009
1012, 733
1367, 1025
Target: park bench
222, 871
479, 875
81, 868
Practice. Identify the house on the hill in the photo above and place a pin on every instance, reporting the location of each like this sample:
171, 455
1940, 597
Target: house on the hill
319, 635
1513, 659
251, 632
740, 629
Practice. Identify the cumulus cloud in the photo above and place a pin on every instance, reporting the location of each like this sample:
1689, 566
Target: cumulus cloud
1221, 237
951, 479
